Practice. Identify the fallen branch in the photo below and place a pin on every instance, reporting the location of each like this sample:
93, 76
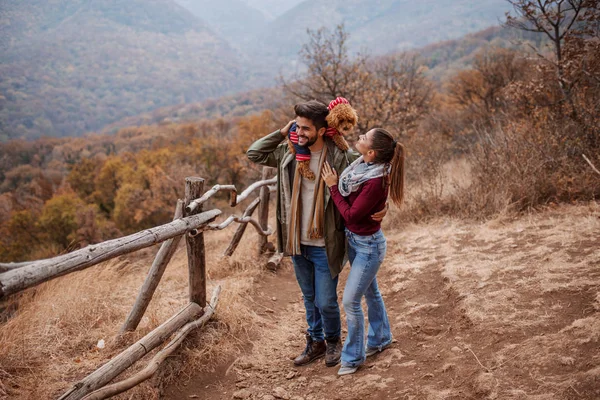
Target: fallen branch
486, 369
591, 165
152, 367
133, 353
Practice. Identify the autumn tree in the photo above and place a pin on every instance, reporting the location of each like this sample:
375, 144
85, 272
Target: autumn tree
330, 70
82, 176
145, 194
480, 91
18, 236
107, 182
556, 19
249, 129
571, 78
393, 93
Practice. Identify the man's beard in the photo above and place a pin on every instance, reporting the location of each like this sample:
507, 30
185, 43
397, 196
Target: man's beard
310, 142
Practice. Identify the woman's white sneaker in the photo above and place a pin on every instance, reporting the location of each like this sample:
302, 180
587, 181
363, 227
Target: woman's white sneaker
347, 370
371, 351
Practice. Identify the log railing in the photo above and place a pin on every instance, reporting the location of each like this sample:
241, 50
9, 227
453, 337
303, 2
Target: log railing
190, 221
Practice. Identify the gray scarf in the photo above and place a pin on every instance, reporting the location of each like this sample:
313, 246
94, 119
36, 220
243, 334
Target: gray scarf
358, 173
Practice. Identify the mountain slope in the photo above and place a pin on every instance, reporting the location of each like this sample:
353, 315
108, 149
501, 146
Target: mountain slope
74, 66
443, 59
235, 20
384, 25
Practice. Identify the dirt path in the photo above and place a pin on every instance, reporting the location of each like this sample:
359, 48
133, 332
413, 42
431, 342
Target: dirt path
502, 310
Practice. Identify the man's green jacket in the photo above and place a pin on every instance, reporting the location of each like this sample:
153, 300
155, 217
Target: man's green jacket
270, 151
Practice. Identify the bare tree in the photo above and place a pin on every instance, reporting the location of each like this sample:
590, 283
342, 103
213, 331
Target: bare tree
573, 27
394, 93
554, 18
389, 91
330, 71
481, 89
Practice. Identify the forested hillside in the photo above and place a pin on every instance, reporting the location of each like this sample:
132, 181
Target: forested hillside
234, 20
446, 58
58, 194
70, 67
227, 107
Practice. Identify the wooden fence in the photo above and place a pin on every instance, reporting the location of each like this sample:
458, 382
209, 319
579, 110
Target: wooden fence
190, 221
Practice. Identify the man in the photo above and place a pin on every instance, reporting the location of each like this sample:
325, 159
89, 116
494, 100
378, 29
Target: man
309, 227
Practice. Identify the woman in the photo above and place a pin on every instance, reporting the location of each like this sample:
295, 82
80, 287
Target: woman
363, 189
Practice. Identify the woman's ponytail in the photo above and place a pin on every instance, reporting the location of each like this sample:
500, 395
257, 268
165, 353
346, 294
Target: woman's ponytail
391, 152
397, 174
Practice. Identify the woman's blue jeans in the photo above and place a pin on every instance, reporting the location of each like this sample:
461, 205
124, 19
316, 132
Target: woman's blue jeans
366, 253
319, 291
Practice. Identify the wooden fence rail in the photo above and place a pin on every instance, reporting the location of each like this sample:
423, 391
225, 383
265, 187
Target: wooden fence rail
190, 221
32, 274
234, 199
13, 265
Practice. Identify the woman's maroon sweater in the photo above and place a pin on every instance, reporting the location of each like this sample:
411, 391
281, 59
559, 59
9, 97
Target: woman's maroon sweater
357, 208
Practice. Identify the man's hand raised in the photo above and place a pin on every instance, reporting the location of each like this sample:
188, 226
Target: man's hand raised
285, 129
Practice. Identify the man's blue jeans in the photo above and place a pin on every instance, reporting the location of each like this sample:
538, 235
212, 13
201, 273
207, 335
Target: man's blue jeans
366, 253
319, 291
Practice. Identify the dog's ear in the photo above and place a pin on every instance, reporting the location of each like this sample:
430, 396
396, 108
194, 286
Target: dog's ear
332, 119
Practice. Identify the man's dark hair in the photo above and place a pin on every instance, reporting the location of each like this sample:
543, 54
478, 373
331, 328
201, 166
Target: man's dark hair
313, 110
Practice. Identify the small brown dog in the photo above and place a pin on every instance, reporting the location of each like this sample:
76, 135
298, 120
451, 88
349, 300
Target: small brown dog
342, 118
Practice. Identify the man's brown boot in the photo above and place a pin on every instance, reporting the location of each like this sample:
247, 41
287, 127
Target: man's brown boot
314, 349
334, 352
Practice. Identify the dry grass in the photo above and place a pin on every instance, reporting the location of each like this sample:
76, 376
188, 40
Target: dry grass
50, 341
501, 170
433, 197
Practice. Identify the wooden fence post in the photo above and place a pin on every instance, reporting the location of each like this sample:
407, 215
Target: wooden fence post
195, 246
167, 249
263, 211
